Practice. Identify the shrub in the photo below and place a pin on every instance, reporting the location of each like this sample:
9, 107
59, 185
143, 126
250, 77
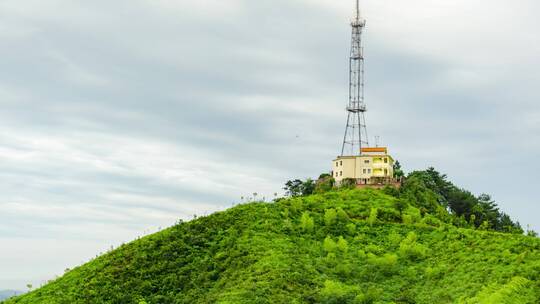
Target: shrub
351, 229
516, 291
342, 244
306, 222
388, 215
373, 216
412, 250
371, 295
336, 292
386, 263
412, 214
342, 215
329, 245
325, 183
330, 216
348, 183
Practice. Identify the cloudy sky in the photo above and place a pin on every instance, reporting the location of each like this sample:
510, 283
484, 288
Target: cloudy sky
120, 117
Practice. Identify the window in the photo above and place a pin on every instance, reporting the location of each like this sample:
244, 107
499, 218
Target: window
369, 171
366, 161
341, 163
386, 160
337, 164
340, 173
364, 171
337, 174
385, 171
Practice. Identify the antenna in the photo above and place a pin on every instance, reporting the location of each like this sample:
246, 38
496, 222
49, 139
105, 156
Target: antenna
357, 10
377, 139
356, 135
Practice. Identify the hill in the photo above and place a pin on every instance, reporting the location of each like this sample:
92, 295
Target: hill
339, 246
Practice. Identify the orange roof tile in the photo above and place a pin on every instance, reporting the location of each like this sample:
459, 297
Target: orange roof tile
377, 149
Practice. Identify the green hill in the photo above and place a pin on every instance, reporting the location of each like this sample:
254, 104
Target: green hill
339, 246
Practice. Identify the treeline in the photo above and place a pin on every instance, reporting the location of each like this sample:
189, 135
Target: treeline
432, 193
432, 190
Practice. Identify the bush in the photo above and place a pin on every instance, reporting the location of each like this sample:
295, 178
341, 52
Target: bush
329, 245
412, 250
342, 245
325, 183
386, 263
306, 222
373, 216
348, 183
516, 291
336, 293
330, 216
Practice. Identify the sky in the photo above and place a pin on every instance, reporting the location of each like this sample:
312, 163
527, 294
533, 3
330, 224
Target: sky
119, 118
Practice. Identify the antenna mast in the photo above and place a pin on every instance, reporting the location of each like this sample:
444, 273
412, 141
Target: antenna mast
356, 132
357, 10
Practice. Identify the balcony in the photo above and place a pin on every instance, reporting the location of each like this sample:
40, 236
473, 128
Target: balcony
381, 165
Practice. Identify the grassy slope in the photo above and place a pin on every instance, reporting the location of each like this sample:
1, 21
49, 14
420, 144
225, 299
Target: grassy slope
262, 253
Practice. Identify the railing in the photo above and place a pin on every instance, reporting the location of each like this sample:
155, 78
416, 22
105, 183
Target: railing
380, 165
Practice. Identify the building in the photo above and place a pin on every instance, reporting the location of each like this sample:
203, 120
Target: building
374, 166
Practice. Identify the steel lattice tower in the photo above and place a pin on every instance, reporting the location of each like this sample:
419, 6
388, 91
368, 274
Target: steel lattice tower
356, 135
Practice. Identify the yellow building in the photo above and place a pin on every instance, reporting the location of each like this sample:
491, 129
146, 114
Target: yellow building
372, 167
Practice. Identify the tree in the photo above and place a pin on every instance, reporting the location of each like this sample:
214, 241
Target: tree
431, 190
531, 232
308, 187
298, 187
398, 172
293, 188
325, 183
400, 205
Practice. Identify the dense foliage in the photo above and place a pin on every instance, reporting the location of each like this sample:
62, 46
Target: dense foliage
433, 193
432, 190
339, 246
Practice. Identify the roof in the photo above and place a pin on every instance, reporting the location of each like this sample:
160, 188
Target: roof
376, 149
363, 156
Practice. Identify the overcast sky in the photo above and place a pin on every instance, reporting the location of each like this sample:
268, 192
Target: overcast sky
120, 117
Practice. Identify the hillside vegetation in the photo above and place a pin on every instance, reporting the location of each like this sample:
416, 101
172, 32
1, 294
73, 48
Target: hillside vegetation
334, 246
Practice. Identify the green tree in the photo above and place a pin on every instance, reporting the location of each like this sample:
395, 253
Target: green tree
308, 187
398, 172
325, 183
294, 188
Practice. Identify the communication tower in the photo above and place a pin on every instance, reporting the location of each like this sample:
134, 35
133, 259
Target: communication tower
356, 136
